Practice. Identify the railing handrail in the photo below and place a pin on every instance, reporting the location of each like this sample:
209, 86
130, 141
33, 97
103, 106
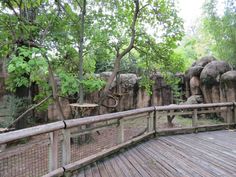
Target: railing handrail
32, 131
37, 130
193, 106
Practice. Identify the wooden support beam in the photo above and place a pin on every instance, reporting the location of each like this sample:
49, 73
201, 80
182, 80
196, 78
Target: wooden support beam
53, 150
66, 147
155, 121
150, 121
234, 112
194, 118
120, 134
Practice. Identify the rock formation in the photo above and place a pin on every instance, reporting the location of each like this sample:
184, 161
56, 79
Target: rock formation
210, 81
126, 88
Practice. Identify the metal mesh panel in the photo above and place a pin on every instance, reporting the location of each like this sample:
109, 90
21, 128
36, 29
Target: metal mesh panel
27, 157
135, 127
90, 143
207, 116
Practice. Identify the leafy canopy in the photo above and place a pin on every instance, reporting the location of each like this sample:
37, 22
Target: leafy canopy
32, 29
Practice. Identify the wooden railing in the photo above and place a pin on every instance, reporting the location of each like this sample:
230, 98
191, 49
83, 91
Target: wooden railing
66, 141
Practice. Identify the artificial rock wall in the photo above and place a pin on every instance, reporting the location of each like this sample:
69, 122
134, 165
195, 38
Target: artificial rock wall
210, 81
131, 95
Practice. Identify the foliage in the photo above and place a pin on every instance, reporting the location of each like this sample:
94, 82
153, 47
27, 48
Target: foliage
53, 28
92, 84
146, 83
13, 107
26, 67
221, 28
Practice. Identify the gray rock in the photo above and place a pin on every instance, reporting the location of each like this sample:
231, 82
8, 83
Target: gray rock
195, 86
128, 80
212, 72
204, 61
229, 76
105, 74
195, 71
194, 99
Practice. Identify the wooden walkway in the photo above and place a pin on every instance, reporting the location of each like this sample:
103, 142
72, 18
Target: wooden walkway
209, 154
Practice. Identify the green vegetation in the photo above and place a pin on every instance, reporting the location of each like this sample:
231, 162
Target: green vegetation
214, 34
67, 35
57, 47
13, 107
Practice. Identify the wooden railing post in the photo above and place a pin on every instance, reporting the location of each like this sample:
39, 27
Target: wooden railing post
194, 118
120, 135
155, 121
150, 120
229, 114
234, 112
53, 151
66, 147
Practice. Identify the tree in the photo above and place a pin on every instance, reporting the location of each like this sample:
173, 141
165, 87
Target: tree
62, 37
25, 44
221, 27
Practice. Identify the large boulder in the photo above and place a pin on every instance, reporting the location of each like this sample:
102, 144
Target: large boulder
195, 71
204, 61
128, 80
228, 86
194, 99
195, 86
212, 72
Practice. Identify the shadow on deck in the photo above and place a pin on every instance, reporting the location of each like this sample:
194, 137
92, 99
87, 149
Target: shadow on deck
204, 154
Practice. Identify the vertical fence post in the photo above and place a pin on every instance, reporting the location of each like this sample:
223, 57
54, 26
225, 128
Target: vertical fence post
66, 147
229, 114
155, 120
234, 112
53, 151
150, 120
195, 119
120, 135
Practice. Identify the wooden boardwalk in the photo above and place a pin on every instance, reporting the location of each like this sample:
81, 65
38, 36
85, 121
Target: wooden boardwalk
209, 154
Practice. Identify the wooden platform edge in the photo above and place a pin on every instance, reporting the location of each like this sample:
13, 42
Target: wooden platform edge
56, 173
188, 130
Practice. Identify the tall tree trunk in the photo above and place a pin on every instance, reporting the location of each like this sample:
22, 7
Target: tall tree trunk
81, 47
119, 56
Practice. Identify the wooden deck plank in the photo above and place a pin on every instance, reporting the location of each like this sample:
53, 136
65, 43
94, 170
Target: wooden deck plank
79, 173
116, 167
211, 154
209, 148
159, 159
195, 160
155, 163
102, 170
122, 167
175, 164
128, 165
139, 167
88, 171
144, 164
151, 164
109, 168
95, 170
201, 153
196, 166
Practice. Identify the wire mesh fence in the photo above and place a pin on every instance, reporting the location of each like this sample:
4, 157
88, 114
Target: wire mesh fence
39, 153
184, 118
88, 143
25, 157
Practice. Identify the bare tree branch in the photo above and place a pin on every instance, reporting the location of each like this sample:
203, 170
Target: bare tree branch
28, 110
